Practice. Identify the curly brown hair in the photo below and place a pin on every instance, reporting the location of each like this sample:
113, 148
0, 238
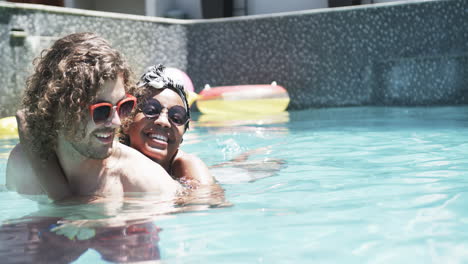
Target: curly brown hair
65, 81
141, 94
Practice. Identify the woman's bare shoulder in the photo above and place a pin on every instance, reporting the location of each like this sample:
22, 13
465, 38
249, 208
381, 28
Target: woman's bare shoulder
190, 167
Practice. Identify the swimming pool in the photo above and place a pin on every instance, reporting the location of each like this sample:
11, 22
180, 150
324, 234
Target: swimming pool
358, 185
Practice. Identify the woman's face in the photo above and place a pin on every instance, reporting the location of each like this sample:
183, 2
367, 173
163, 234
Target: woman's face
158, 138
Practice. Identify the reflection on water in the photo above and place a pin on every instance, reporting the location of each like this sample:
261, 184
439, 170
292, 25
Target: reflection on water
58, 240
238, 119
120, 231
247, 171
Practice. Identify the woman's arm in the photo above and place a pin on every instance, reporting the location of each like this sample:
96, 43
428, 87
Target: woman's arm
191, 169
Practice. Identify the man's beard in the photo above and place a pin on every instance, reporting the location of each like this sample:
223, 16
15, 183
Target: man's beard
92, 150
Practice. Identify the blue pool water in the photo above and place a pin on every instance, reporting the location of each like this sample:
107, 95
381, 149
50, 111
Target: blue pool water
344, 185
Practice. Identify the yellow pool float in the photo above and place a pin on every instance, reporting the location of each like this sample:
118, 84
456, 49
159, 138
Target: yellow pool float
8, 127
237, 99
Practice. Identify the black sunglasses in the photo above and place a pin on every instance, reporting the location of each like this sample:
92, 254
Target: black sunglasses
177, 114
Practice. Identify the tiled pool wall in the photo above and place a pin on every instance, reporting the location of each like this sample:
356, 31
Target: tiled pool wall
401, 53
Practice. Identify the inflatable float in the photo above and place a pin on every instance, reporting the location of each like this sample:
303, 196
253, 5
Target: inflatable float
8, 128
258, 99
182, 78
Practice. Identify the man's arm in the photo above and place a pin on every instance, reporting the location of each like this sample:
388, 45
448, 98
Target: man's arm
17, 167
31, 174
25, 178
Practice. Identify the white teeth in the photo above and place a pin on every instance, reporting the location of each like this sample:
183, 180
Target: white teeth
158, 137
103, 135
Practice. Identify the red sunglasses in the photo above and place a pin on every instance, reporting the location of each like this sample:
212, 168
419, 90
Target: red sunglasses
101, 112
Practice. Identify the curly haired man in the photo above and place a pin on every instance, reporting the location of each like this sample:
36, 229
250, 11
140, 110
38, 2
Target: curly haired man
73, 106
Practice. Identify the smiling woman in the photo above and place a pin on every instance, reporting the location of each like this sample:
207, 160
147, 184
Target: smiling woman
157, 127
156, 131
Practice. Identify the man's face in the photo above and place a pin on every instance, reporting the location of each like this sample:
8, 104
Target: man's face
99, 138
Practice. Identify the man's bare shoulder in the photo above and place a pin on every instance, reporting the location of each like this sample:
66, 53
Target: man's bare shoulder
131, 159
141, 174
20, 176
